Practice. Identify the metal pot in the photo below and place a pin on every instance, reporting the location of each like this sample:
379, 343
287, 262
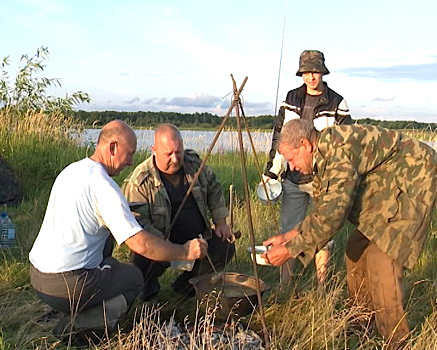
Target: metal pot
274, 191
234, 293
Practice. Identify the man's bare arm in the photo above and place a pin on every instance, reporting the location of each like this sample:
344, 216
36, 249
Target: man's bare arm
158, 249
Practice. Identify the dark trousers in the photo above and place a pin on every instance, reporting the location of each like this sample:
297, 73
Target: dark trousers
78, 290
220, 253
375, 281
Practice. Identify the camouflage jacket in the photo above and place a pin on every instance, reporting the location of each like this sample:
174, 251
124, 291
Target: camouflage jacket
379, 180
150, 202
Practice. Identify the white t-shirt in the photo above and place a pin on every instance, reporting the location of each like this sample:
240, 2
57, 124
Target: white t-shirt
84, 201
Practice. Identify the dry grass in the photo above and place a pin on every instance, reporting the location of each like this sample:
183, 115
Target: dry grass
423, 135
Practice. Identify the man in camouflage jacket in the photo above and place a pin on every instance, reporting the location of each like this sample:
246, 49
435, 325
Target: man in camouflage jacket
385, 185
154, 200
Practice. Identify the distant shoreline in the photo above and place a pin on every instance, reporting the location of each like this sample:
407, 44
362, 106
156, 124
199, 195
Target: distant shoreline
200, 140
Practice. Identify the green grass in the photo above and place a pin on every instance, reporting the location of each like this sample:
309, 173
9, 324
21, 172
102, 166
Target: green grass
301, 316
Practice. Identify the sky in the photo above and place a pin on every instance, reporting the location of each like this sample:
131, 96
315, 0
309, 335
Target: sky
178, 55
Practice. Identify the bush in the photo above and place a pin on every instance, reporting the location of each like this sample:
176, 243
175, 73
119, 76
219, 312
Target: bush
28, 92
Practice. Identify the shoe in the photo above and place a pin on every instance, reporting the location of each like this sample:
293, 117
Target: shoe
151, 289
49, 316
63, 327
65, 332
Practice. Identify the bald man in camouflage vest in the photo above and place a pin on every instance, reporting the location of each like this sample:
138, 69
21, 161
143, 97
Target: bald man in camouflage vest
385, 185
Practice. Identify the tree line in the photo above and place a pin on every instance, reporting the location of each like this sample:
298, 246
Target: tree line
147, 119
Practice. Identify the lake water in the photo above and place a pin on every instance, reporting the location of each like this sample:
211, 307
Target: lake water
433, 144
201, 140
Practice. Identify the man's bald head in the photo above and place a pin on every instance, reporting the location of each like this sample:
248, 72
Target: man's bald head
168, 148
116, 130
167, 130
116, 146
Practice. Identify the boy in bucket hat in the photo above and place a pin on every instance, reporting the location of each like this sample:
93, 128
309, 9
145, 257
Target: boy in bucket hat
312, 61
314, 101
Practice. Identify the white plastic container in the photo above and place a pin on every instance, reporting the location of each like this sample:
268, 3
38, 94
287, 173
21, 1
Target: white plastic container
274, 191
260, 249
185, 265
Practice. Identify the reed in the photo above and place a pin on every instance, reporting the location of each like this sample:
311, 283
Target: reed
39, 146
422, 134
299, 316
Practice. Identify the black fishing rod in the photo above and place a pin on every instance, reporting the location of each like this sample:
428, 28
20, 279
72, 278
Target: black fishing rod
280, 61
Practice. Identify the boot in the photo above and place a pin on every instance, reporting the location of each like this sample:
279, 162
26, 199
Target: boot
98, 317
94, 322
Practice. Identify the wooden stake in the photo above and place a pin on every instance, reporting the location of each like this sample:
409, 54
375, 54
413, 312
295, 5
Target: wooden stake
237, 105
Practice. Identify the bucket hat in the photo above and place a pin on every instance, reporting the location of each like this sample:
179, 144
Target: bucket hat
312, 61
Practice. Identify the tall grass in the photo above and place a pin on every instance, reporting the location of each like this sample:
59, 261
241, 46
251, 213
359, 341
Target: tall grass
299, 316
39, 146
422, 134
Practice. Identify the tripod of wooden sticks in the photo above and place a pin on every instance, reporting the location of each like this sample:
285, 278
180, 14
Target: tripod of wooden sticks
236, 104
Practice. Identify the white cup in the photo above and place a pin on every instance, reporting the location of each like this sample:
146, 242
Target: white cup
259, 250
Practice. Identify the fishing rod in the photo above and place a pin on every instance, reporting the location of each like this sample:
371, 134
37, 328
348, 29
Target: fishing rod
280, 61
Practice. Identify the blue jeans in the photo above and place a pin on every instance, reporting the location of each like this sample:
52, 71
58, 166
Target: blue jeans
295, 202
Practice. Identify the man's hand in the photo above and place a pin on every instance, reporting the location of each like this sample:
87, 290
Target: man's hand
196, 249
275, 240
281, 239
278, 252
289, 235
223, 231
277, 255
265, 178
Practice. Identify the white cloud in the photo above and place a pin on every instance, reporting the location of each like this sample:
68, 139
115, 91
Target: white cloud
132, 101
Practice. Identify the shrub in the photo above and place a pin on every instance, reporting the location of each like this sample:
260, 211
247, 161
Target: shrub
28, 92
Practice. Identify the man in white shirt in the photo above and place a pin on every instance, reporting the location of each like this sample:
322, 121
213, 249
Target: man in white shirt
71, 267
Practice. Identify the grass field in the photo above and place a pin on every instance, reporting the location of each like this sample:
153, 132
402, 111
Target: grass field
301, 316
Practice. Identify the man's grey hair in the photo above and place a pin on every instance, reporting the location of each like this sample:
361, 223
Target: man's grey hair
294, 131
